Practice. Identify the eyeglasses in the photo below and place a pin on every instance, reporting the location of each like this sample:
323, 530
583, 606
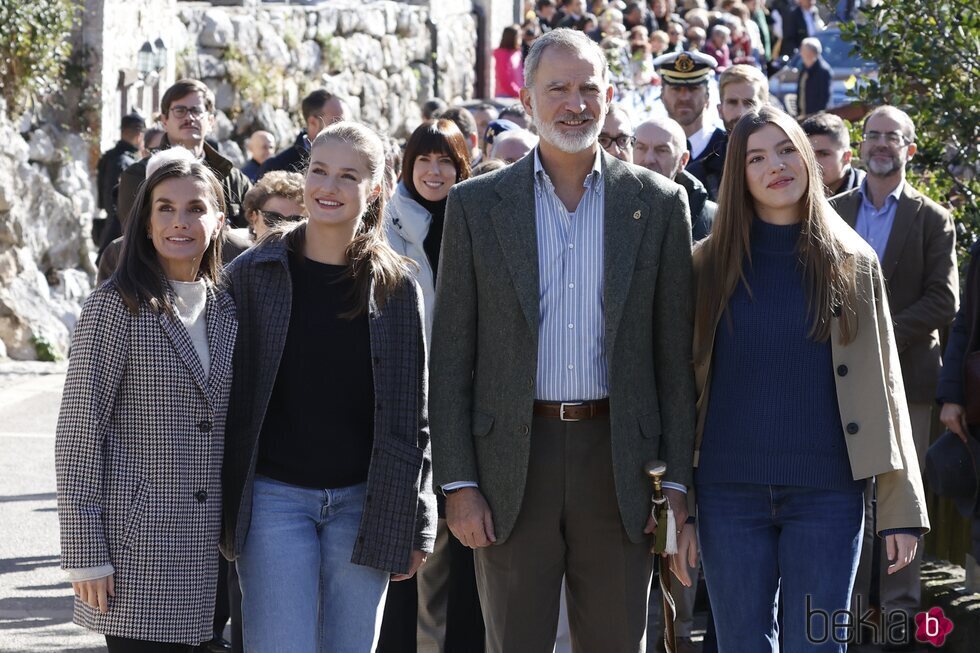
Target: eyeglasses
179, 111
895, 139
623, 141
274, 217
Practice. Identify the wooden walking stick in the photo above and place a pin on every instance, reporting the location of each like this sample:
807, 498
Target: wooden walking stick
665, 541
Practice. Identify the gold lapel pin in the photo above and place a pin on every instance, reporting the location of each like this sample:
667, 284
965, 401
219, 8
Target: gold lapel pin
636, 216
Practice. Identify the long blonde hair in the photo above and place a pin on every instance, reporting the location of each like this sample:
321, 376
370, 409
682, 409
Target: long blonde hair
372, 260
828, 265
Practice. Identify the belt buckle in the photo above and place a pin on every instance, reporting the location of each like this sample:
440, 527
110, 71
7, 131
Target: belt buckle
561, 410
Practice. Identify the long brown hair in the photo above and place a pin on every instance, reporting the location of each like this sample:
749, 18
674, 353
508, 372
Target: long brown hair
140, 278
828, 265
372, 260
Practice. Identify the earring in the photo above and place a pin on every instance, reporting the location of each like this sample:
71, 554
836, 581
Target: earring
149, 236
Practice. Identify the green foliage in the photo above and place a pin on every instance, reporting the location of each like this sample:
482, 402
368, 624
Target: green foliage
331, 55
254, 81
34, 47
929, 66
44, 349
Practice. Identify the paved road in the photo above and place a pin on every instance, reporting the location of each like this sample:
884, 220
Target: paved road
35, 599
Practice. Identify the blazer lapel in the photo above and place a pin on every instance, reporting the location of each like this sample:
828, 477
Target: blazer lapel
905, 213
222, 327
625, 221
848, 209
182, 344
514, 221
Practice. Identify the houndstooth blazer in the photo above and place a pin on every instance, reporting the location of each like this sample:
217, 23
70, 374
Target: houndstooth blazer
138, 453
400, 509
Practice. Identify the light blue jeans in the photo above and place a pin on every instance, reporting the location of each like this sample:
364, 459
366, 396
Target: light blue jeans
300, 591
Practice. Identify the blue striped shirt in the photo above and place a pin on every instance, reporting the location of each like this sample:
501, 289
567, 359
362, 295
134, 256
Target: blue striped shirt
572, 362
873, 224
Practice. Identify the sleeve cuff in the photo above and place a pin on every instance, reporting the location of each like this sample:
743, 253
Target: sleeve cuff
82, 574
456, 485
674, 486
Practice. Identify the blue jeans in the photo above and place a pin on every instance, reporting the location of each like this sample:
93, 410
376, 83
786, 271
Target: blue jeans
300, 591
761, 544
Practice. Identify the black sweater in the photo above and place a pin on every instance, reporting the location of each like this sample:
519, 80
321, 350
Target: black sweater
319, 427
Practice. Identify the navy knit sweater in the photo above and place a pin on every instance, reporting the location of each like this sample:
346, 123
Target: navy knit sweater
773, 416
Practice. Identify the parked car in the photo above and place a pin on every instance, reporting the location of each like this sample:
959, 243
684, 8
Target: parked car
850, 72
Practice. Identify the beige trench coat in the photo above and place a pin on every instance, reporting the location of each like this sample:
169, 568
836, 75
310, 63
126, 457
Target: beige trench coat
870, 392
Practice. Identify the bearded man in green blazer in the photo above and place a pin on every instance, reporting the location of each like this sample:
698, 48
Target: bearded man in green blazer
561, 363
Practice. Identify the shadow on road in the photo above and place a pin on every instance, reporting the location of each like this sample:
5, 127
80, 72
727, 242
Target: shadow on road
46, 496
19, 612
11, 565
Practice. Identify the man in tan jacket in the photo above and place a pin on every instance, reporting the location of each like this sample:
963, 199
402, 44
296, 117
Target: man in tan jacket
916, 244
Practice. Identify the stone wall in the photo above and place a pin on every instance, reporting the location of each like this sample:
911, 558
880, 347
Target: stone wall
261, 60
46, 208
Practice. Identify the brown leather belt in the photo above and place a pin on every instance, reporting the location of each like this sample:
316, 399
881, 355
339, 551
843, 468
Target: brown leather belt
572, 411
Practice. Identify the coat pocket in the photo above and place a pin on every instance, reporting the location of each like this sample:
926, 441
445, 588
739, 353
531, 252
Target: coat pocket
650, 425
134, 518
481, 423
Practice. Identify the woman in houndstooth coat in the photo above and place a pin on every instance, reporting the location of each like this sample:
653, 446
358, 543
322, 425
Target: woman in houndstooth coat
140, 436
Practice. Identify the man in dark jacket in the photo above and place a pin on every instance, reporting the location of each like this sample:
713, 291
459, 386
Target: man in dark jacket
832, 146
814, 90
111, 165
685, 96
661, 146
320, 108
799, 22
188, 117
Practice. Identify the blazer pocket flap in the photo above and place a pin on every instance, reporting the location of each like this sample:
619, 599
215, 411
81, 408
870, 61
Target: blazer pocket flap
405, 452
134, 518
481, 423
650, 425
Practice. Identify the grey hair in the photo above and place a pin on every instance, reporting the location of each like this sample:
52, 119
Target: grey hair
621, 111
566, 39
813, 44
908, 127
672, 127
522, 135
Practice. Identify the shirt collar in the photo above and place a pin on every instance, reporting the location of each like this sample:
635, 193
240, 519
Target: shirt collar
541, 178
895, 194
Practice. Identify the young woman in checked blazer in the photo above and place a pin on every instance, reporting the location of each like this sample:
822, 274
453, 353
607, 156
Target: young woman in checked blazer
327, 471
140, 436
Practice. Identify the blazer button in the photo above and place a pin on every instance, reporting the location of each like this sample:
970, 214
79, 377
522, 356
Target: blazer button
530, 383
852, 428
204, 426
525, 429
842, 370
201, 496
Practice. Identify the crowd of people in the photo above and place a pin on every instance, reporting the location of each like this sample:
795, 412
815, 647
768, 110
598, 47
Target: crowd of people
409, 391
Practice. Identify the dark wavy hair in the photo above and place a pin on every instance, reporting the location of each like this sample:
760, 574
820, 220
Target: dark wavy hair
140, 278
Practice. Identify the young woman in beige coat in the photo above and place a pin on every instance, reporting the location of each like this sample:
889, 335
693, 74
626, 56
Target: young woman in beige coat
794, 346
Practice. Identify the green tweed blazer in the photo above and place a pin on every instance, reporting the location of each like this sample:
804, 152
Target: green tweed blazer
485, 336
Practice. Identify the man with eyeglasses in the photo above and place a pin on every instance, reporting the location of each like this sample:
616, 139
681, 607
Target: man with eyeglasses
187, 110
916, 243
616, 137
661, 146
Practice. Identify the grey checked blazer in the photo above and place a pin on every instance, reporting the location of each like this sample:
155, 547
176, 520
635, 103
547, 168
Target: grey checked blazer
138, 453
400, 510
485, 336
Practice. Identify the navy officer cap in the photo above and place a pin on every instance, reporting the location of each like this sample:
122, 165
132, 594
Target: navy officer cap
687, 68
